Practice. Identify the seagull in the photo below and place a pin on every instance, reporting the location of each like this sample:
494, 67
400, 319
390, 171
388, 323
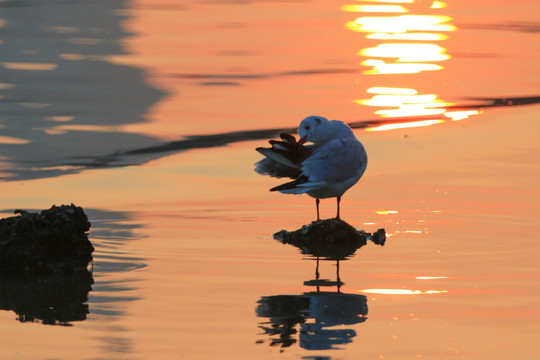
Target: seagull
333, 162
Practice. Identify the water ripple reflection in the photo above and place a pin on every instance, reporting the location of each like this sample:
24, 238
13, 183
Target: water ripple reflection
115, 276
111, 233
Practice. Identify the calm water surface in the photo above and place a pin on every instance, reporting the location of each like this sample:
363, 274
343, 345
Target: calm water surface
146, 114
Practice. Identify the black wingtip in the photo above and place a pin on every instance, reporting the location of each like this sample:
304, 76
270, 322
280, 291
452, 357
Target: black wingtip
291, 185
283, 186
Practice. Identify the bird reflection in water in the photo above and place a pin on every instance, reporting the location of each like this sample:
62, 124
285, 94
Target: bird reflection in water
318, 313
317, 320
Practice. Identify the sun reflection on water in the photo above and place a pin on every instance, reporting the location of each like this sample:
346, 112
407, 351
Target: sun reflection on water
402, 24
404, 291
407, 45
401, 291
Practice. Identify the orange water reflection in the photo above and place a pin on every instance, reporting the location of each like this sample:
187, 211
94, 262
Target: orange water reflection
208, 217
406, 46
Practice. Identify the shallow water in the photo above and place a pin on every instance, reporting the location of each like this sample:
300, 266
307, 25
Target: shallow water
147, 114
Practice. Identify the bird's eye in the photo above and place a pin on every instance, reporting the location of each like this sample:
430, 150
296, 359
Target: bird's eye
307, 127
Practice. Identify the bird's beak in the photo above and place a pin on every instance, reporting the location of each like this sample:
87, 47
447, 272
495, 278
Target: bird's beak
302, 140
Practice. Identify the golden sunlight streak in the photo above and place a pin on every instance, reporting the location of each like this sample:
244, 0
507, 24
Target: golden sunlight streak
391, 90
386, 212
407, 36
381, 67
401, 23
407, 102
400, 100
409, 110
386, 127
401, 291
438, 5
406, 45
408, 52
460, 115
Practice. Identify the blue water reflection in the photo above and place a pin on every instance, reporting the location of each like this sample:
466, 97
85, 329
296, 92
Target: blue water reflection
60, 97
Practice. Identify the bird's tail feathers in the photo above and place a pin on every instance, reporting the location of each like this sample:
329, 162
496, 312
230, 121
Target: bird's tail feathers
299, 186
286, 151
277, 156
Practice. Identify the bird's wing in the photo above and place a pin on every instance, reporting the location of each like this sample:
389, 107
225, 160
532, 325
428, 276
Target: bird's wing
284, 158
275, 169
338, 160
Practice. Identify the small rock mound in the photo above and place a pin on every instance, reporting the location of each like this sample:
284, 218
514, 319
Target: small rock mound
329, 238
52, 241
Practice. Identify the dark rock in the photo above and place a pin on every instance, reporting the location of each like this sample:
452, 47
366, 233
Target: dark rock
331, 238
52, 241
379, 237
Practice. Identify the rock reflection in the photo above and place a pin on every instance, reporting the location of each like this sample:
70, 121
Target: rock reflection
61, 299
52, 300
318, 320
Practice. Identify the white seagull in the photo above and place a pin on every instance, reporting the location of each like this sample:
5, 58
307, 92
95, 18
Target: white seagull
334, 162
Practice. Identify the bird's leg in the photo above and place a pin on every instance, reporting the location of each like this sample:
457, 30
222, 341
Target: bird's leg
339, 283
338, 201
317, 201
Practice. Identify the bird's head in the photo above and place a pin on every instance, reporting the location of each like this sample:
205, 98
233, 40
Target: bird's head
313, 129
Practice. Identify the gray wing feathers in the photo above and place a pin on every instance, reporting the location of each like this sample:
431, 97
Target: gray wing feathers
338, 160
